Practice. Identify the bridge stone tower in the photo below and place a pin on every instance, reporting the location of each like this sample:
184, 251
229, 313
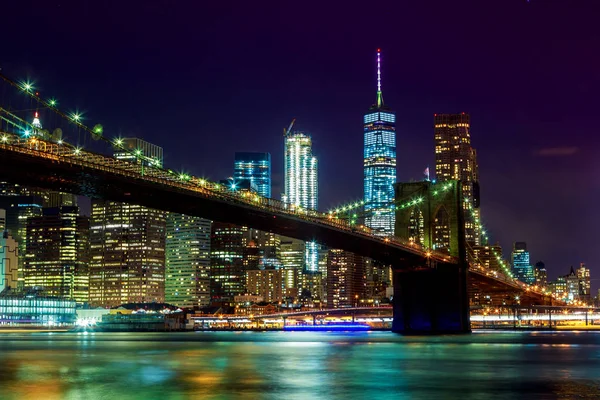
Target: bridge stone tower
431, 298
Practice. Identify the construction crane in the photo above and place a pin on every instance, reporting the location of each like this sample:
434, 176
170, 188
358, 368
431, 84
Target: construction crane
287, 131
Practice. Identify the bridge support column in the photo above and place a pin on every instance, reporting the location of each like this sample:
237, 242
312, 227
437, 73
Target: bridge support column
431, 300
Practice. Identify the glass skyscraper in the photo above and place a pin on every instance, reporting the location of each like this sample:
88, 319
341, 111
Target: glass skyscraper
254, 168
301, 184
379, 163
521, 266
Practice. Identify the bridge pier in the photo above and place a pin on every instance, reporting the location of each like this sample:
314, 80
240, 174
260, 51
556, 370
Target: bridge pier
431, 300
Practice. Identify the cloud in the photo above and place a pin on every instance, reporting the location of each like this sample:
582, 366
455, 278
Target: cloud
557, 151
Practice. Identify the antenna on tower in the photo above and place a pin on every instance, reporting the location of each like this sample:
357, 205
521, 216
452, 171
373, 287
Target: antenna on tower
379, 94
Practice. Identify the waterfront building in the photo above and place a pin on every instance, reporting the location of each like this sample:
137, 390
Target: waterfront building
127, 246
540, 273
585, 287
227, 269
456, 159
57, 256
572, 285
9, 261
270, 284
127, 242
559, 288
346, 281
19, 208
187, 261
379, 160
254, 168
521, 265
23, 308
377, 280
301, 183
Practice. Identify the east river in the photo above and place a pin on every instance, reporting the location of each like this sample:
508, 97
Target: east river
298, 365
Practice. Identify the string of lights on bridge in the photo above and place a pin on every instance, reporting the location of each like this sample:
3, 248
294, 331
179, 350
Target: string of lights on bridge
31, 132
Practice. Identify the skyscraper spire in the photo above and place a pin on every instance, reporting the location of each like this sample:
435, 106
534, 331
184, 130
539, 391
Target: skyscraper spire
379, 95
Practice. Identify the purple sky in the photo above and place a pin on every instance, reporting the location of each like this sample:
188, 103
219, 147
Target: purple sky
204, 81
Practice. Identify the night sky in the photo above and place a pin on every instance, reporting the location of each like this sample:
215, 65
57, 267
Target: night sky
206, 79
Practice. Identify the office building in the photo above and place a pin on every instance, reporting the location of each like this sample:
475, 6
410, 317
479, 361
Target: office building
270, 284
227, 269
346, 280
540, 273
455, 159
57, 256
558, 288
585, 285
187, 262
487, 256
18, 209
521, 266
127, 246
9, 261
127, 242
254, 168
379, 163
131, 149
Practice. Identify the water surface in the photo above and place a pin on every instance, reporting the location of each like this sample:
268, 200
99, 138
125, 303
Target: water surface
299, 365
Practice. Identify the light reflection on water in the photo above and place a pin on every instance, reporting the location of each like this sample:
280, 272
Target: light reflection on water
299, 365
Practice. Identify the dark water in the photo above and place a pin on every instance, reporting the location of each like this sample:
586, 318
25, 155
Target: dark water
297, 365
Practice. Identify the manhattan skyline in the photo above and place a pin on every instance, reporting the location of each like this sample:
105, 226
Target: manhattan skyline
529, 95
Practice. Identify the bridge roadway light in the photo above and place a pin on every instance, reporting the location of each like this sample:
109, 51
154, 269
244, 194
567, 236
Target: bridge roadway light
52, 102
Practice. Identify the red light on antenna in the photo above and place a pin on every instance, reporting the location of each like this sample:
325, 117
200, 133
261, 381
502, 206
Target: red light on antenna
379, 50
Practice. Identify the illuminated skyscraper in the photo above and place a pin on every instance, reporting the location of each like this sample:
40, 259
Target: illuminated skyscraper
227, 262
522, 268
585, 286
541, 275
455, 159
379, 163
346, 279
254, 168
187, 280
301, 183
57, 256
127, 245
